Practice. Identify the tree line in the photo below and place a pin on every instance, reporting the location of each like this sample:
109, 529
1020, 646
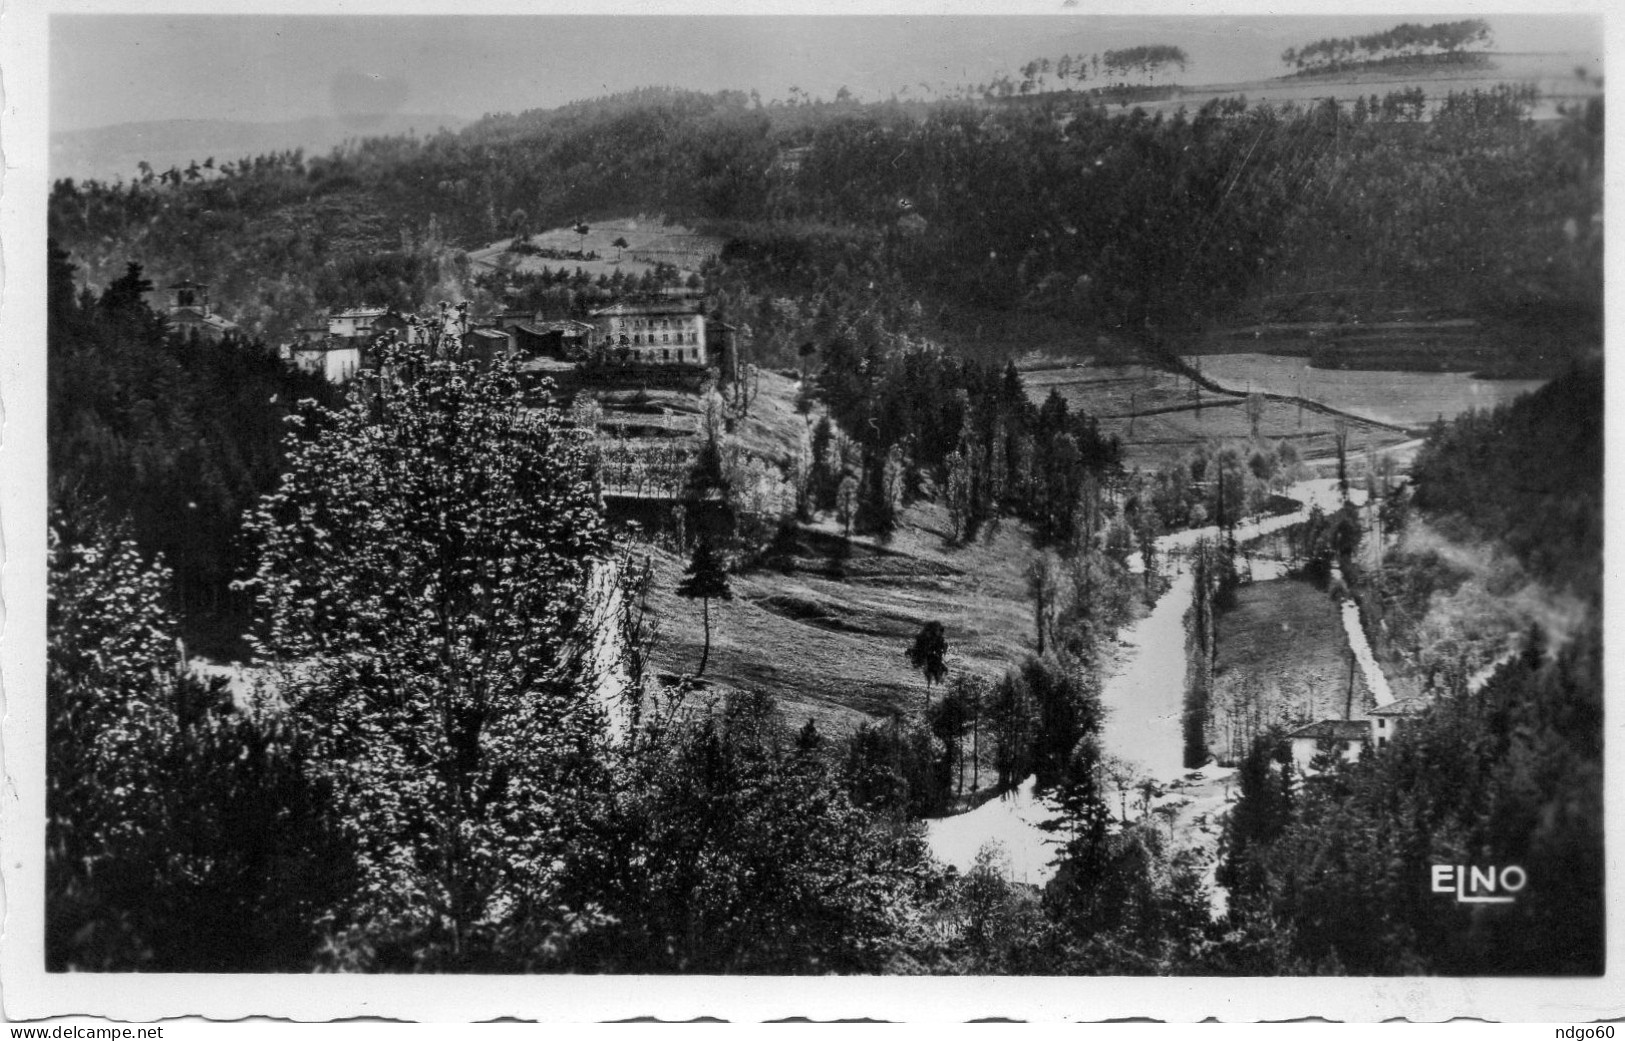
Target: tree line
1406, 40
1075, 69
1529, 474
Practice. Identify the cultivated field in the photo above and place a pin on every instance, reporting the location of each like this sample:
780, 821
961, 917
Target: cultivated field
1412, 399
648, 242
1160, 417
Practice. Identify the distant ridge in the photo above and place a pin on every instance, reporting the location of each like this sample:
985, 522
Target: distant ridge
106, 153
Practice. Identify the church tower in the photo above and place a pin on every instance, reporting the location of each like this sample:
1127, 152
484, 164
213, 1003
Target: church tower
189, 309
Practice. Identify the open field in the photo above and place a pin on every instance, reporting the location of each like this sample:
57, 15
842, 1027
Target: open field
1406, 398
648, 242
1159, 417
832, 648
1283, 658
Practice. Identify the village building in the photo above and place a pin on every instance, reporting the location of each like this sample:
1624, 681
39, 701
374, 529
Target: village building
355, 322
189, 309
487, 344
725, 344
667, 333
1350, 736
1386, 720
335, 358
394, 324
564, 339
338, 348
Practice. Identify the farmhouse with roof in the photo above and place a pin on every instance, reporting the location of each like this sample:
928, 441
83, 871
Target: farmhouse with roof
1387, 719
1349, 736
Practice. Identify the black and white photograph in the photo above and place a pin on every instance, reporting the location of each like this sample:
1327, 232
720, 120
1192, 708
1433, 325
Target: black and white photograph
628, 492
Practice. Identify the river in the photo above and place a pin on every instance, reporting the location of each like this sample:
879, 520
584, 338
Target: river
1143, 699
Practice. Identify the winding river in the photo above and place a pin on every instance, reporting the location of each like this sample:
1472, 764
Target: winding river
1143, 699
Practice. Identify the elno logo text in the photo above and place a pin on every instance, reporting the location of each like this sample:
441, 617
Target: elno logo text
1480, 885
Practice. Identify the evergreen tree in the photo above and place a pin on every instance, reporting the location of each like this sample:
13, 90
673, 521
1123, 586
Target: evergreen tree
705, 579
928, 654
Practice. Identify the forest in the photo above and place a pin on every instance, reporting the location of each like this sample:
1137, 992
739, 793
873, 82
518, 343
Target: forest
989, 222
170, 436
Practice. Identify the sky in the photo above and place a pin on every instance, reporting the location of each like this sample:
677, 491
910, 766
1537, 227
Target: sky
106, 69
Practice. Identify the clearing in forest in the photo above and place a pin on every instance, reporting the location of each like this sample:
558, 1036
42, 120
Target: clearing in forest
648, 242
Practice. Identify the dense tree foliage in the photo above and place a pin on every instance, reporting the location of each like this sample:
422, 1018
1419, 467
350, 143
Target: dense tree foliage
178, 434
424, 574
743, 854
183, 833
1528, 473
1509, 775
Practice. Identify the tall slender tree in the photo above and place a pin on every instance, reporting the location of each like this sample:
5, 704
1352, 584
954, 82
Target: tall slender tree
706, 579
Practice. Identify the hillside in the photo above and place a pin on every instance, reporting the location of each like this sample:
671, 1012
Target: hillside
113, 152
885, 210
826, 634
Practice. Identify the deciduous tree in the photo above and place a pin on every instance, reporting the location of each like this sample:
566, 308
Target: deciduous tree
425, 583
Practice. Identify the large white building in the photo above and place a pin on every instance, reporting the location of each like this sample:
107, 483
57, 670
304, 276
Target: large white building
658, 334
